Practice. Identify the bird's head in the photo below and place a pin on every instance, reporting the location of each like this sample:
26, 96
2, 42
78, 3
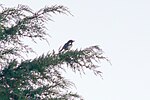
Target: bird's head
70, 41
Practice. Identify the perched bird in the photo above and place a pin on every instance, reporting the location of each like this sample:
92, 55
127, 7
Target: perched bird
67, 46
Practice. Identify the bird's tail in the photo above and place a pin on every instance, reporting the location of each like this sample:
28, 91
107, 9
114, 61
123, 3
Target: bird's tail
60, 49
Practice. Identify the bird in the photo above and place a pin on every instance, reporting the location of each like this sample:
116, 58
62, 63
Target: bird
67, 46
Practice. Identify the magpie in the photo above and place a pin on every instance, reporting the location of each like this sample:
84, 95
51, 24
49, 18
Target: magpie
67, 46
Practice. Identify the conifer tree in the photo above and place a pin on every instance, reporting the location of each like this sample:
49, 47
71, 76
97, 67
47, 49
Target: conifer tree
39, 78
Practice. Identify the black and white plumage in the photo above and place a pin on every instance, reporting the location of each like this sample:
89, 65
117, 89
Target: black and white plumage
67, 46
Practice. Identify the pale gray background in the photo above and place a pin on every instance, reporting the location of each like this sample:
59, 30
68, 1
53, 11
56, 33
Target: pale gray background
120, 27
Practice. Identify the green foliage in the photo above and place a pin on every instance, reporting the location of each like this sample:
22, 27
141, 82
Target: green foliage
39, 78
20, 22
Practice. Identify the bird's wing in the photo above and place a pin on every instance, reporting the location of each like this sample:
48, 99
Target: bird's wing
63, 48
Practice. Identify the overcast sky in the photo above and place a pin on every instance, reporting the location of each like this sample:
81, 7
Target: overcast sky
120, 27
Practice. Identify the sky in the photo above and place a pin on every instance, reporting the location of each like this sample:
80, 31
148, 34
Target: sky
120, 27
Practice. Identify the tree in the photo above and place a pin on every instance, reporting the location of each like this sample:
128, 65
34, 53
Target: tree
39, 78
